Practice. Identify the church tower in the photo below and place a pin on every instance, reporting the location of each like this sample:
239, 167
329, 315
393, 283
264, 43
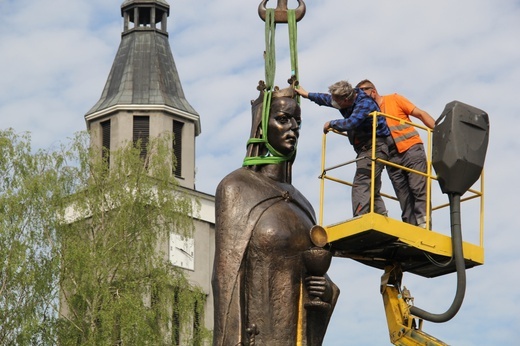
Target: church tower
142, 99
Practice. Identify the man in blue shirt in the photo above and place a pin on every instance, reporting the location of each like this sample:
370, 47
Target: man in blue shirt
355, 107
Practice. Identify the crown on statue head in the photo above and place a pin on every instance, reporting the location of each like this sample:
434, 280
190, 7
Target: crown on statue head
277, 92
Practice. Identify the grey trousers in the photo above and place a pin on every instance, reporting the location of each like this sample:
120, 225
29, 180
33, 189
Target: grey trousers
362, 178
410, 188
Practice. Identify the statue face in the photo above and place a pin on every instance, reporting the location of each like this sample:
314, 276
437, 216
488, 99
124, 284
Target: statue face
284, 125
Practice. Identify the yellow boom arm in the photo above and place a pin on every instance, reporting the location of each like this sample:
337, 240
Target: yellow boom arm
402, 326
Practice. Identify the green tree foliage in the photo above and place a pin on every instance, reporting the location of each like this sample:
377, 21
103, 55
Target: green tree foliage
83, 246
30, 191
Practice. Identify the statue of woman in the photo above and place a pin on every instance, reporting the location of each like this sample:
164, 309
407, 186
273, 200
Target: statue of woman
260, 283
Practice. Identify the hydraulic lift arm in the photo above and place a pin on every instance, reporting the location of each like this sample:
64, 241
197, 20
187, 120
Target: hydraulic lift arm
404, 329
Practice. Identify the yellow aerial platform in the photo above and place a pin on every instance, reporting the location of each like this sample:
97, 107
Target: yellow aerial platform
377, 240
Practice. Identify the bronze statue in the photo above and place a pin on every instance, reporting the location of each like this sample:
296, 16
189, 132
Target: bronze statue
263, 292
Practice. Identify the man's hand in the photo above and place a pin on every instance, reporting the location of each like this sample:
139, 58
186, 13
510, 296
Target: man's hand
302, 92
327, 127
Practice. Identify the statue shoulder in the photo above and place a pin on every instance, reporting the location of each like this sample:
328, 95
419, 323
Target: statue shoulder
238, 180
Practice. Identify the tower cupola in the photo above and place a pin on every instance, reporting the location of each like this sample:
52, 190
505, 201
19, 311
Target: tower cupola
145, 15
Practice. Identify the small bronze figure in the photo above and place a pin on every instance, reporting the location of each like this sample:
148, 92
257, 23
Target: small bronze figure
260, 281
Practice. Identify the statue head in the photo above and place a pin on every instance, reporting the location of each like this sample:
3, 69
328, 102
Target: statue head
276, 117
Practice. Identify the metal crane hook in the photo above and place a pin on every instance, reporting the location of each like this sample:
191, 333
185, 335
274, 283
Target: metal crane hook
280, 12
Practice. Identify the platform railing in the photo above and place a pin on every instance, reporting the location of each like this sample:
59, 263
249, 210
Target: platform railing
469, 195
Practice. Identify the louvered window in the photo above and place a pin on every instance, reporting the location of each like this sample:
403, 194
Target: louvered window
177, 147
105, 141
141, 133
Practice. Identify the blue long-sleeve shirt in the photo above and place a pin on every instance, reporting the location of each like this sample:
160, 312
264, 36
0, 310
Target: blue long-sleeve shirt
356, 121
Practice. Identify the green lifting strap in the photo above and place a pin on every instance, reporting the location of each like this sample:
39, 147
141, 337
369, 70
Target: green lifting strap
270, 51
273, 156
293, 40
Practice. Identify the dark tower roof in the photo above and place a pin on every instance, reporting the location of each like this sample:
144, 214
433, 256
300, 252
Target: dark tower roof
131, 2
144, 71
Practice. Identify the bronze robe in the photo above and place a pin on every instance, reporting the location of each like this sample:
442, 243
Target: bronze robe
262, 228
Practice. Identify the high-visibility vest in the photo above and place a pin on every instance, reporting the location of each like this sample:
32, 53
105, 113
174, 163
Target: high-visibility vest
404, 135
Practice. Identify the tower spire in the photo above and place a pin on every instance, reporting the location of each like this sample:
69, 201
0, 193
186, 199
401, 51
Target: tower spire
144, 72
143, 96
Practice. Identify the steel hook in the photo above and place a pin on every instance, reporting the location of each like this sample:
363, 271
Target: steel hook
280, 12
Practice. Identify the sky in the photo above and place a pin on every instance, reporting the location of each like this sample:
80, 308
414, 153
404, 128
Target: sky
55, 57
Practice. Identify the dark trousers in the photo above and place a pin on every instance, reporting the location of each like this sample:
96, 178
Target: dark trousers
362, 178
410, 188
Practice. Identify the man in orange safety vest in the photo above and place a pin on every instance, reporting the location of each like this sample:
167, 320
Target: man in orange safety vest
409, 187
